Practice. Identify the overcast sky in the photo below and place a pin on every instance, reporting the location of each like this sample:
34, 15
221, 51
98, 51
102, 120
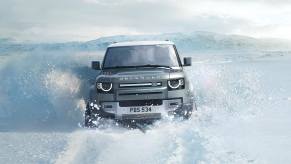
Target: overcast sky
68, 20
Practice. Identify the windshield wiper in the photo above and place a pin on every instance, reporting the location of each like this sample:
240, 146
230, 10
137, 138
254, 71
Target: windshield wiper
154, 65
116, 67
137, 66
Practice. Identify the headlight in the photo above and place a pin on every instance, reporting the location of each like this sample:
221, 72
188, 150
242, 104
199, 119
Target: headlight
104, 87
176, 84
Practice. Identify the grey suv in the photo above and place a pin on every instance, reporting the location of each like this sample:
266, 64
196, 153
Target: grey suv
141, 80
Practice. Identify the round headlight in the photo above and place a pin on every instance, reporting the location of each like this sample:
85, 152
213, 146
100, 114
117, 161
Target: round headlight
174, 84
106, 87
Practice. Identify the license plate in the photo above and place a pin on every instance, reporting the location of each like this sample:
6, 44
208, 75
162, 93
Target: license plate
141, 109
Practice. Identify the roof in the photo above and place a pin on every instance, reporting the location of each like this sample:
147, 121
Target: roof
140, 43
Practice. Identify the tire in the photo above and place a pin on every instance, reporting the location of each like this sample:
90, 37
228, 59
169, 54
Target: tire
94, 115
91, 116
186, 110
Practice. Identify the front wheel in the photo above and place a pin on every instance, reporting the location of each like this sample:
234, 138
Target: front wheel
186, 110
91, 116
95, 116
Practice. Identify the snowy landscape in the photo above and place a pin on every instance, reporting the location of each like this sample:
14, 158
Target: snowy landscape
241, 85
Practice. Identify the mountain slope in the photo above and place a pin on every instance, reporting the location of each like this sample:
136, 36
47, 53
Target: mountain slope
195, 41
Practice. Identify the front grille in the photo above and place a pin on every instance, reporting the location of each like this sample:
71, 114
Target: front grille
129, 103
131, 85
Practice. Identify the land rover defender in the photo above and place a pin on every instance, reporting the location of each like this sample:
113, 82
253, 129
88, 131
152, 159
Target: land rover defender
141, 80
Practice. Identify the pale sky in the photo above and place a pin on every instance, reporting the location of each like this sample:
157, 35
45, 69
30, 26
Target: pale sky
80, 20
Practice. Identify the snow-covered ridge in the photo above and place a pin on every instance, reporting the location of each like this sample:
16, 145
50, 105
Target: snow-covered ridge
194, 41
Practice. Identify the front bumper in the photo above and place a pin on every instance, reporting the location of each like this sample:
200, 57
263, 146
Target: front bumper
141, 109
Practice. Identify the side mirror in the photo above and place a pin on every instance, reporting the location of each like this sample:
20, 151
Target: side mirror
187, 61
95, 65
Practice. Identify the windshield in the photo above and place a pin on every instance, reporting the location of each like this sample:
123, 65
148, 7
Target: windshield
134, 56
